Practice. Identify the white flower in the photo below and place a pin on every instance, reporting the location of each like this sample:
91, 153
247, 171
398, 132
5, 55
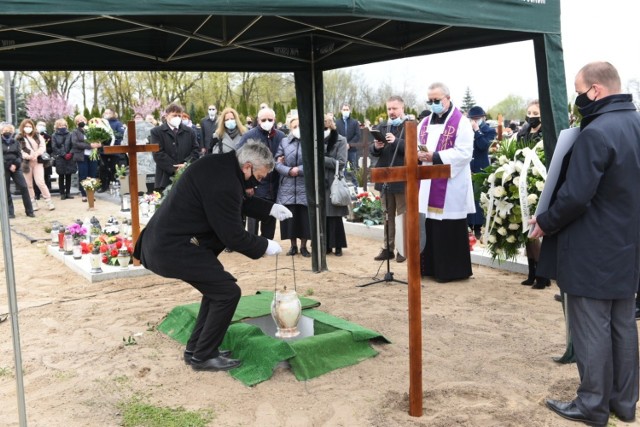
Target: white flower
519, 166
502, 160
514, 226
499, 191
498, 220
503, 208
509, 169
483, 198
502, 231
491, 178
540, 185
535, 171
492, 239
532, 198
511, 239
516, 181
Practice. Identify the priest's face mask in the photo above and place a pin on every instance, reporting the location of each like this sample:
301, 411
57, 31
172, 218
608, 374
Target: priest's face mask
253, 175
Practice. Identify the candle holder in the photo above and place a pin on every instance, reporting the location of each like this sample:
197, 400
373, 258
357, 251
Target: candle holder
95, 259
61, 239
68, 244
54, 236
125, 202
144, 209
77, 249
123, 258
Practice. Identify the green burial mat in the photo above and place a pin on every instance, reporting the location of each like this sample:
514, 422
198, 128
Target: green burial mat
336, 342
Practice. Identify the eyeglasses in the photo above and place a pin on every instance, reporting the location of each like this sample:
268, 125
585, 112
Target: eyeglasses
266, 120
434, 101
212, 109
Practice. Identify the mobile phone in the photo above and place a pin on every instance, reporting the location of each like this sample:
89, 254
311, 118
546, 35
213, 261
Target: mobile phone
422, 147
378, 135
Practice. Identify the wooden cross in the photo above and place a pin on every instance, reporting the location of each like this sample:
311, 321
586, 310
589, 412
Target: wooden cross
412, 173
132, 150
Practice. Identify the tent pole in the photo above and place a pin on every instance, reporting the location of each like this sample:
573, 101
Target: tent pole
318, 244
11, 294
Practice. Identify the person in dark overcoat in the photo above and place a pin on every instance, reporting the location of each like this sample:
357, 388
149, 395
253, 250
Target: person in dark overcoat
201, 215
335, 150
178, 146
348, 127
65, 165
12, 157
592, 244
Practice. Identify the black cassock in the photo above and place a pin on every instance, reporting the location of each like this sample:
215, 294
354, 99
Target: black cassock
200, 217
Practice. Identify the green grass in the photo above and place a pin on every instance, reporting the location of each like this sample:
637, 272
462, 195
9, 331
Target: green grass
136, 413
6, 372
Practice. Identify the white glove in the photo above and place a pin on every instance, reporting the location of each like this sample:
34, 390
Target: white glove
273, 248
280, 212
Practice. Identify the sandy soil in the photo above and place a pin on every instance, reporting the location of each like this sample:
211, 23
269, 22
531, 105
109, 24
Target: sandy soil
488, 345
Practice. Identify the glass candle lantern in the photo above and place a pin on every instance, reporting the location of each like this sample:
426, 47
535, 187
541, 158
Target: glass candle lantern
54, 236
125, 203
68, 244
144, 209
123, 258
61, 239
77, 250
95, 259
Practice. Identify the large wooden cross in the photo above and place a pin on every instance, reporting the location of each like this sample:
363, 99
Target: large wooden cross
132, 150
412, 173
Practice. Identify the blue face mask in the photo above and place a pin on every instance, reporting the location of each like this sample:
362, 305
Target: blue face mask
437, 108
395, 122
230, 124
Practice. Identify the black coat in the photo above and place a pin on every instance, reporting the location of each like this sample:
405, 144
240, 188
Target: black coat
174, 149
78, 145
593, 223
385, 154
61, 146
11, 152
268, 188
206, 203
350, 130
482, 139
208, 127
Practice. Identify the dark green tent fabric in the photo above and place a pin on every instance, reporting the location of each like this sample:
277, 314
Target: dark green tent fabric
336, 343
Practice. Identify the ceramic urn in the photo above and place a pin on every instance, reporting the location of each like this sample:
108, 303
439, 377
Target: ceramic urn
286, 311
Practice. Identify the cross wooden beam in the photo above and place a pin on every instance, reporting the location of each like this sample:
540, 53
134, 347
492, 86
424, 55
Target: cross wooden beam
412, 173
132, 150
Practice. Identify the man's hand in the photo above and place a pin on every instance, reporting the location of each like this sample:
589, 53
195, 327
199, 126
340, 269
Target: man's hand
537, 231
12, 168
273, 248
280, 212
474, 125
391, 138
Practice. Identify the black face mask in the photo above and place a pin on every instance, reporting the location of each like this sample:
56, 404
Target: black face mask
534, 122
583, 100
252, 182
6, 135
81, 125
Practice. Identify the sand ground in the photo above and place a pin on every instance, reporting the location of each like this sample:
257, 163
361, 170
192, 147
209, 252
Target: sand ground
488, 344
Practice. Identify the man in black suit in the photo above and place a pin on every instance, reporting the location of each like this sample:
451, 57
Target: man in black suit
597, 198
202, 215
350, 129
178, 145
208, 126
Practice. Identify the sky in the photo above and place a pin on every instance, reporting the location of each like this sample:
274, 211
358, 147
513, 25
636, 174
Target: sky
591, 30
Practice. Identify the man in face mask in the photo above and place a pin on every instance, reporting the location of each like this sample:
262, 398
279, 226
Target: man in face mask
178, 146
391, 153
202, 215
349, 128
266, 132
208, 127
597, 197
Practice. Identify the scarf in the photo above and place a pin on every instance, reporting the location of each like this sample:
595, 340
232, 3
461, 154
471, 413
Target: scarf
447, 140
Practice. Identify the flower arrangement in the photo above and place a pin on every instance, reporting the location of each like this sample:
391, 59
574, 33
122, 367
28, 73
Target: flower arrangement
121, 171
152, 198
510, 189
96, 134
76, 230
368, 209
91, 184
109, 247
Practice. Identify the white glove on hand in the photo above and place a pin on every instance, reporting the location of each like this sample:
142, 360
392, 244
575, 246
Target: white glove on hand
280, 212
273, 248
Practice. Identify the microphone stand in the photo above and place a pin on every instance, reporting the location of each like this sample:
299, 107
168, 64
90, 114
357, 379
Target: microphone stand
388, 276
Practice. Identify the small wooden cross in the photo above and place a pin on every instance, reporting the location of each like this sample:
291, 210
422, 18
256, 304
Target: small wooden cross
132, 150
412, 173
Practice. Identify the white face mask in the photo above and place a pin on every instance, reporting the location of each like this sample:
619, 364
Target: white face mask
296, 133
266, 125
41, 129
345, 114
28, 129
175, 121
327, 132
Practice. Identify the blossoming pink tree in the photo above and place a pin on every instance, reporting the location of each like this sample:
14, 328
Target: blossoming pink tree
146, 106
48, 107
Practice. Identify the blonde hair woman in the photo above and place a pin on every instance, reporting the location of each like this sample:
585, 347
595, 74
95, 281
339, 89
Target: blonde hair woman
228, 132
33, 145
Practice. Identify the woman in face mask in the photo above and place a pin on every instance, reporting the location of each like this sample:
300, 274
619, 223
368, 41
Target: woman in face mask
65, 165
335, 151
12, 156
292, 192
81, 150
531, 132
33, 146
228, 133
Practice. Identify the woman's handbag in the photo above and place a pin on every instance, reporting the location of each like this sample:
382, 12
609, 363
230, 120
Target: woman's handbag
45, 159
339, 192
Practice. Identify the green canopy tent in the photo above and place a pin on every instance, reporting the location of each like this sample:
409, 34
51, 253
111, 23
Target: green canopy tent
305, 38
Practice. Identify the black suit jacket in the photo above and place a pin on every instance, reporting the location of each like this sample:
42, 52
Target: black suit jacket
174, 149
351, 131
199, 218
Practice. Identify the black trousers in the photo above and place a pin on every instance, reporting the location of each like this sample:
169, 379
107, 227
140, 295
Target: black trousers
21, 186
605, 339
219, 302
64, 184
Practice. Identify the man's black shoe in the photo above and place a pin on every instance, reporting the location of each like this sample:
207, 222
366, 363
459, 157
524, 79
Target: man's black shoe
570, 411
400, 258
69, 196
189, 354
558, 298
304, 252
384, 254
31, 215
219, 363
292, 251
338, 252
